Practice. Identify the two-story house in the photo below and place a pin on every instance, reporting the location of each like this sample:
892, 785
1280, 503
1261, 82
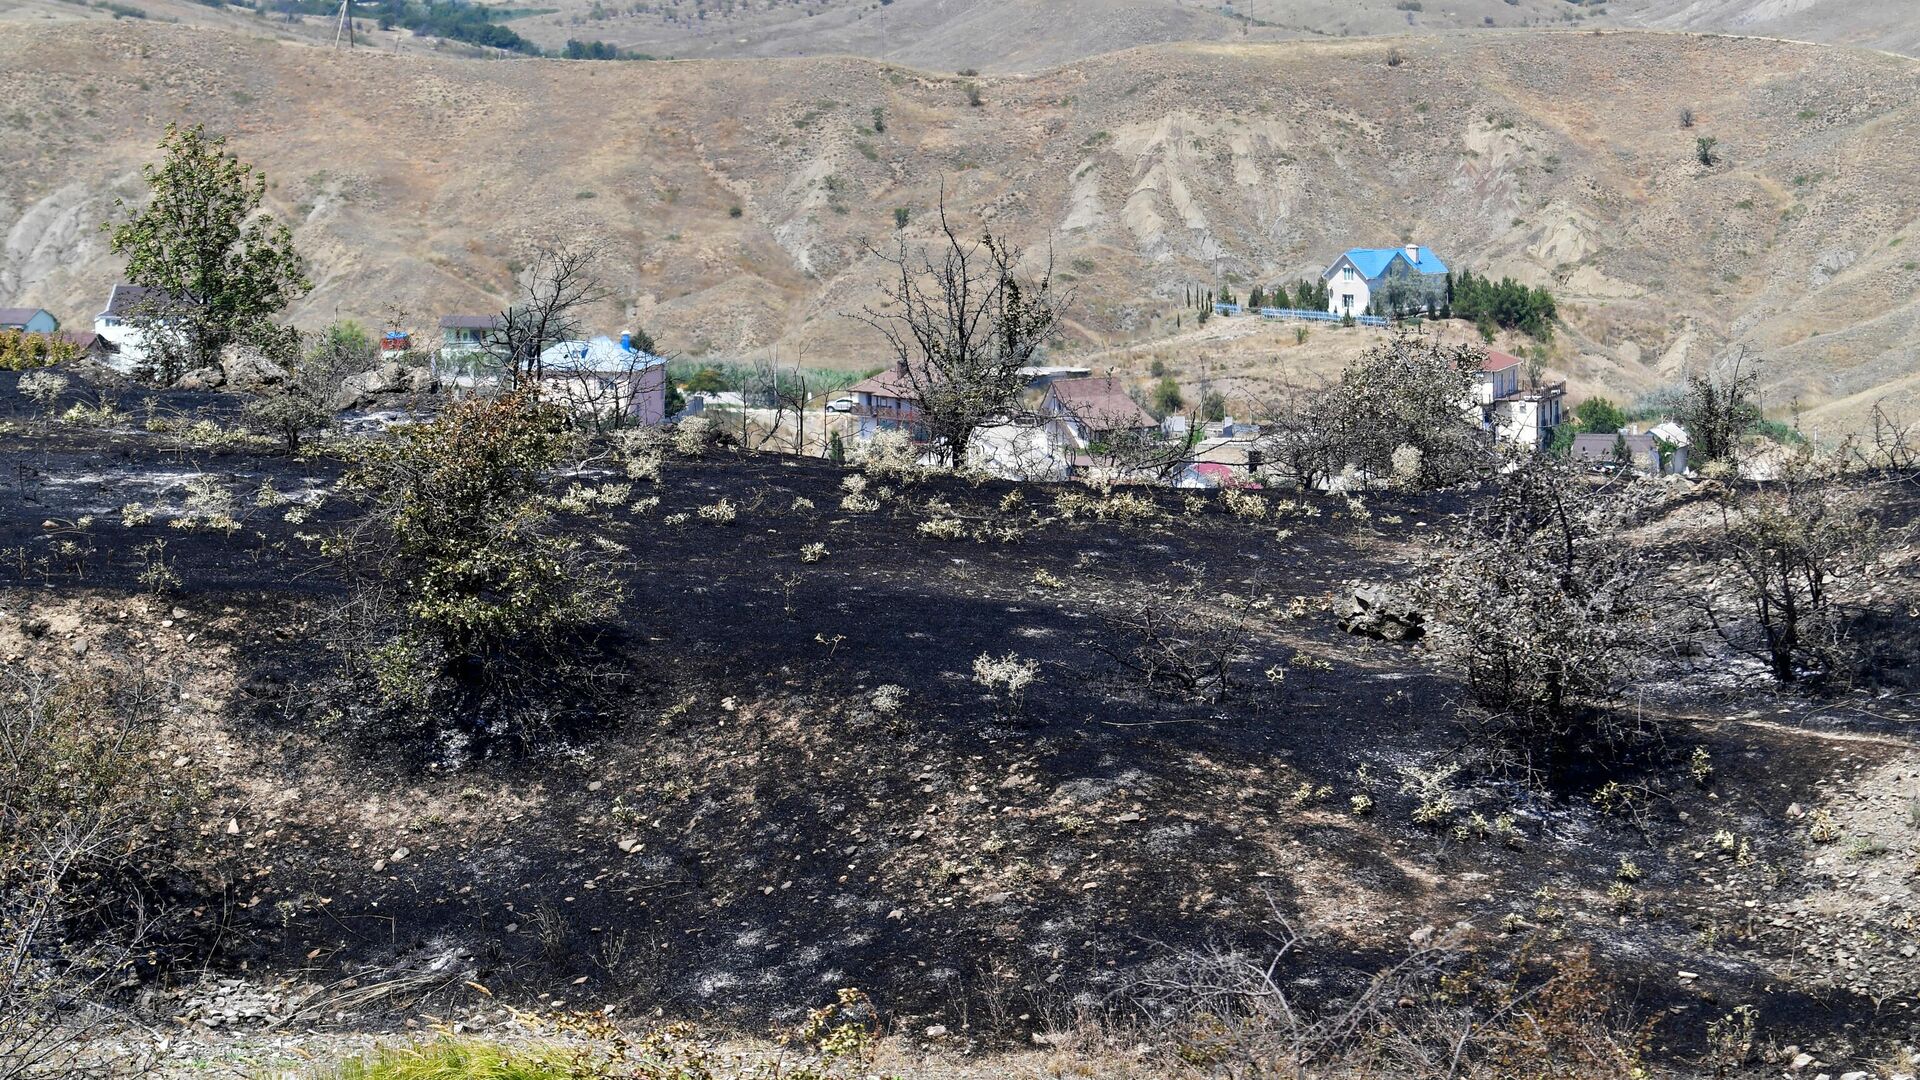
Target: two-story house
1521, 418
1402, 279
886, 402
1083, 413
117, 326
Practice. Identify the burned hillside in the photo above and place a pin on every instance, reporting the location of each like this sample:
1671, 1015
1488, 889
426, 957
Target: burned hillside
1000, 755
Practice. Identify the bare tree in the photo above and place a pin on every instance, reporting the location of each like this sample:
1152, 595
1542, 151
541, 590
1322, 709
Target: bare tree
784, 390
960, 325
554, 291
1892, 447
1299, 441
1790, 545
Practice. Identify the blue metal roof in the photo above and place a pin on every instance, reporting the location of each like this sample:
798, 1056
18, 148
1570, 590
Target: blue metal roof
1373, 262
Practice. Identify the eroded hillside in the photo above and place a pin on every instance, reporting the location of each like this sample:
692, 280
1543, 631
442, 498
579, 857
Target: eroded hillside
734, 199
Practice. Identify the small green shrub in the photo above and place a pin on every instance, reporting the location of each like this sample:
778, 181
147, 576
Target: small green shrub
459, 1059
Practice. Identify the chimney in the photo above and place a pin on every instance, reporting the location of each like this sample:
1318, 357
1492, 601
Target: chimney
626, 342
1413, 254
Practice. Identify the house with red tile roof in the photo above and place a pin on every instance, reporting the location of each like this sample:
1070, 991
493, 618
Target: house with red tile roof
1520, 418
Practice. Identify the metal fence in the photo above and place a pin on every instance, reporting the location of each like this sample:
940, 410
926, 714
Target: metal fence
1302, 313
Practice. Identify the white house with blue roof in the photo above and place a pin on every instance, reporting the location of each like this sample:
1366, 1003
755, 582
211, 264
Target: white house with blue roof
607, 379
1399, 279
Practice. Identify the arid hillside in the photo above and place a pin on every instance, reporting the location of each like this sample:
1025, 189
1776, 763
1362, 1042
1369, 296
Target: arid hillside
733, 199
1005, 36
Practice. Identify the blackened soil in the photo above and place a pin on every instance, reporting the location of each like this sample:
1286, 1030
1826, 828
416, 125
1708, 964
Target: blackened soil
745, 829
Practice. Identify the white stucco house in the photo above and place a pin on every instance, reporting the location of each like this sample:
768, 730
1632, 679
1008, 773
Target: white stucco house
607, 379
1523, 419
1404, 278
114, 324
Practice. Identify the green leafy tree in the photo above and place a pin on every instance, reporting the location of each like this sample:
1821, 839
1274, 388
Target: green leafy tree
1213, 407
1166, 397
708, 380
220, 270
1720, 410
1598, 414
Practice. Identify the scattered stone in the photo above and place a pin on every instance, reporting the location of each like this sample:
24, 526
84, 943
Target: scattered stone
249, 370
1383, 611
202, 379
936, 1031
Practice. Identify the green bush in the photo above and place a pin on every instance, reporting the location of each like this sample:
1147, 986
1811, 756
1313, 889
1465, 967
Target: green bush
459, 1059
20, 352
484, 588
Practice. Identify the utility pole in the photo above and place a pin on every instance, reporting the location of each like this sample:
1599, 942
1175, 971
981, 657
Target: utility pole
346, 24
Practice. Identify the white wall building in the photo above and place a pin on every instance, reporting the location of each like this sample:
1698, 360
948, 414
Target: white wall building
1523, 419
114, 325
1411, 273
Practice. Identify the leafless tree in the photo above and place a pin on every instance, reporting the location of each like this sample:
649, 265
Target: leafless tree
1790, 545
1891, 448
783, 389
1299, 441
554, 292
960, 323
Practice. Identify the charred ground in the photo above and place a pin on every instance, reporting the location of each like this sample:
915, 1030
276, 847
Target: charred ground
746, 826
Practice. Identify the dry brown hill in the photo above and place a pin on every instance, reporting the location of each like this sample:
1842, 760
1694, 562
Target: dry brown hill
1006, 36
1558, 158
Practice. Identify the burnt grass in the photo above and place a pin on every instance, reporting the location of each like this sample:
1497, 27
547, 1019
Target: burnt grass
741, 830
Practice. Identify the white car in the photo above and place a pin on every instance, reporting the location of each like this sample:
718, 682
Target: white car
840, 404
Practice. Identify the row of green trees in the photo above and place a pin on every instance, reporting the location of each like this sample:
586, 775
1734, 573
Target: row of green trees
1506, 304
1304, 296
473, 24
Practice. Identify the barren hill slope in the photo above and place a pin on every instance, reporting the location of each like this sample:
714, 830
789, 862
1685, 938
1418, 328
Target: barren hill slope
1021, 35
1555, 157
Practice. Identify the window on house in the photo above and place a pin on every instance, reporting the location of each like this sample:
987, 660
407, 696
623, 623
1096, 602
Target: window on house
1347, 274
1346, 301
